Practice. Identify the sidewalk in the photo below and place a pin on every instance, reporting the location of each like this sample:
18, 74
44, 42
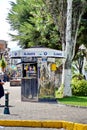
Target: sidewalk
39, 111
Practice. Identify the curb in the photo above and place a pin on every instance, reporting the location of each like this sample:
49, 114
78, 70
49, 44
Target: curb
73, 126
72, 105
44, 124
31, 123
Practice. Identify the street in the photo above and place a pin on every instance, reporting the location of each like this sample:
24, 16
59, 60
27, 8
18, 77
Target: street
27, 128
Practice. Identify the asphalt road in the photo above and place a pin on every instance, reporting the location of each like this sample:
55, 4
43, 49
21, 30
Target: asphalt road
26, 128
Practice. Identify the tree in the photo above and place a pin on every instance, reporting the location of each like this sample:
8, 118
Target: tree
68, 51
67, 16
3, 64
38, 27
81, 43
33, 24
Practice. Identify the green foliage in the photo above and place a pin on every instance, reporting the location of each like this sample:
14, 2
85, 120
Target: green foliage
59, 92
79, 86
74, 68
78, 76
33, 24
3, 63
74, 101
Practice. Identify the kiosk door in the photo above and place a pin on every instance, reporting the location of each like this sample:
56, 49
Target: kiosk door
29, 88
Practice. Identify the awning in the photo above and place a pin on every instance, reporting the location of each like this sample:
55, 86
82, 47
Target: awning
37, 52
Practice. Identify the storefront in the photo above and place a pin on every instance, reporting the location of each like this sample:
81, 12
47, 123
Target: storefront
35, 75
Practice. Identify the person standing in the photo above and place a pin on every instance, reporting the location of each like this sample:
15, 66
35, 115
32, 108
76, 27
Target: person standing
1, 89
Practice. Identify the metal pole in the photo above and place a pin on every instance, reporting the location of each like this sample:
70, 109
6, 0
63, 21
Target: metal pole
6, 108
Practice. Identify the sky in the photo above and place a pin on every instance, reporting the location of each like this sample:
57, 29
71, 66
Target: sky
5, 26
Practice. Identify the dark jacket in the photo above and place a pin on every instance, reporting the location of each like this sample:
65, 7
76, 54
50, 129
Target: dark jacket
1, 89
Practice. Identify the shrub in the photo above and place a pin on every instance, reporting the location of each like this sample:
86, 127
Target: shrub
79, 86
78, 76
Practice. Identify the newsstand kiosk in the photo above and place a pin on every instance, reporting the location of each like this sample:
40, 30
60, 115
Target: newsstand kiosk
34, 71
29, 81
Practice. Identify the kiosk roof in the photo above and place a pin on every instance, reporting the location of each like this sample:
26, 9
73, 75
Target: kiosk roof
37, 52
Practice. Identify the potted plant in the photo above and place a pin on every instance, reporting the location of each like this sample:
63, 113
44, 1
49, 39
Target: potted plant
3, 65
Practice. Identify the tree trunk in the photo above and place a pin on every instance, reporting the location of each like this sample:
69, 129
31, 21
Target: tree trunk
66, 76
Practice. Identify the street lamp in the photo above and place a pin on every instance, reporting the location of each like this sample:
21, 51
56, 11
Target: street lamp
82, 49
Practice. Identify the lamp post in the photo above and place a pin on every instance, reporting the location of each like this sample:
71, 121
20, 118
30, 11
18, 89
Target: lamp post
81, 58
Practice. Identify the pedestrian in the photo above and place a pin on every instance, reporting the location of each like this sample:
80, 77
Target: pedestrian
5, 77
1, 89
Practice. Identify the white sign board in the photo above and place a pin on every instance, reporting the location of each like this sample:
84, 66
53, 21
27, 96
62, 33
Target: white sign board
37, 52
